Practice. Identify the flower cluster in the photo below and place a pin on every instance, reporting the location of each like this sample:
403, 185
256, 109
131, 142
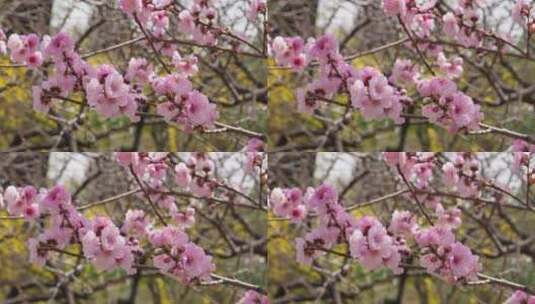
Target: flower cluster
183, 104
106, 248
462, 23
442, 255
371, 92
445, 105
461, 172
108, 93
26, 49
374, 245
196, 175
290, 52
104, 244
255, 154
113, 93
377, 96
524, 13
176, 255
524, 154
198, 21
367, 239
22, 201
256, 8
522, 146
371, 244
106, 89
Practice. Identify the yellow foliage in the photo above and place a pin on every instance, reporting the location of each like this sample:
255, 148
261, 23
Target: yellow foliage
162, 291
434, 139
431, 296
171, 138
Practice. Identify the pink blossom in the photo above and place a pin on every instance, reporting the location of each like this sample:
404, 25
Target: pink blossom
379, 88
3, 45
56, 199
450, 25
41, 102
185, 65
522, 146
405, 72
378, 238
160, 22
298, 213
435, 236
114, 86
279, 46
34, 60
196, 263
38, 256
394, 158
22, 201
182, 175
110, 238
394, 7
467, 188
452, 68
462, 262
450, 218
289, 51
139, 70
323, 47
201, 187
373, 247
450, 175
200, 111
186, 22
185, 219
169, 110
255, 145
403, 223
520, 297
11, 195
135, 223
253, 297
521, 9
323, 195
164, 262
280, 205
125, 158
59, 45
131, 6
106, 248
436, 87
305, 253
305, 102
31, 212
168, 236
431, 262
424, 24
256, 7
422, 173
